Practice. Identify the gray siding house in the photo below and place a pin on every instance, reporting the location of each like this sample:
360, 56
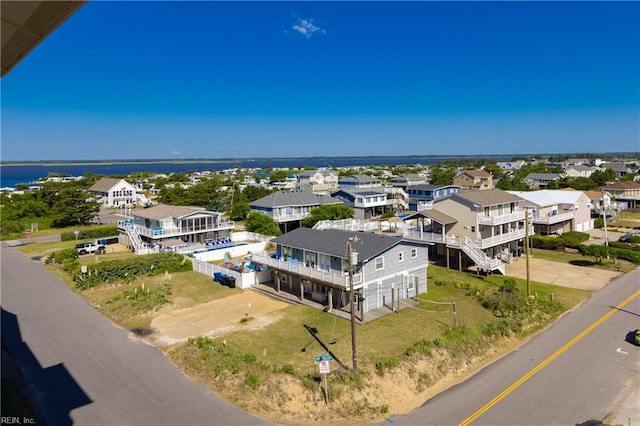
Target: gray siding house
314, 265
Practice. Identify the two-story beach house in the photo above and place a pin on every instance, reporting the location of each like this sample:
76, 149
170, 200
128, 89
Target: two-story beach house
321, 181
474, 180
366, 203
288, 208
485, 228
358, 182
422, 196
114, 192
626, 194
315, 265
555, 211
165, 227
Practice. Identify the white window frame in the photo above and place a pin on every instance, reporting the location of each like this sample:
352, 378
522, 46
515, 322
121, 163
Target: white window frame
379, 263
400, 257
414, 253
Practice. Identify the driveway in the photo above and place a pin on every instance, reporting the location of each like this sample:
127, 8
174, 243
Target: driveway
562, 274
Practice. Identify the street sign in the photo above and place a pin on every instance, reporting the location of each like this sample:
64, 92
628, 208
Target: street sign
323, 358
324, 367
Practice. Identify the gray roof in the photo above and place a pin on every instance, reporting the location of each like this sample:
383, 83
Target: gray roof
334, 242
293, 198
487, 197
434, 214
164, 211
359, 178
105, 184
542, 176
431, 187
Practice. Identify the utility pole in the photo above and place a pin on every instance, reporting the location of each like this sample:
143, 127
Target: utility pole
604, 217
526, 249
353, 260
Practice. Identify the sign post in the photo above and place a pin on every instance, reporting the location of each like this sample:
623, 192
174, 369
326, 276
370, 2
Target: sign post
324, 369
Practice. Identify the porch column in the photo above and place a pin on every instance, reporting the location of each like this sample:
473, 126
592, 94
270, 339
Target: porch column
301, 289
459, 259
330, 299
447, 256
276, 275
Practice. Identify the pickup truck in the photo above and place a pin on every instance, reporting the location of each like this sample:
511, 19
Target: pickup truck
86, 248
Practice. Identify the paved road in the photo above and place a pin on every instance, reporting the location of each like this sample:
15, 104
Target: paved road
542, 384
82, 369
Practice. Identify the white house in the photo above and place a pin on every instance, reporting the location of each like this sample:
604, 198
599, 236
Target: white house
113, 192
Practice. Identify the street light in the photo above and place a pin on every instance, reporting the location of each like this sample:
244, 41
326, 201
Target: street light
353, 260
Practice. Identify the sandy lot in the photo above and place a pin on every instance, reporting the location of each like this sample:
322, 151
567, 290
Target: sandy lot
562, 274
216, 317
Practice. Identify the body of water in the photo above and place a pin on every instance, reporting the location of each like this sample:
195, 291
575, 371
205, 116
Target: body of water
14, 174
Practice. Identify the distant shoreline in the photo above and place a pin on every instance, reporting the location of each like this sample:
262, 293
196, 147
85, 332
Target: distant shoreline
266, 159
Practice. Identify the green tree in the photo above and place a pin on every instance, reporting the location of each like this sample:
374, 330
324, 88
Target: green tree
262, 224
442, 174
73, 208
601, 177
327, 212
239, 210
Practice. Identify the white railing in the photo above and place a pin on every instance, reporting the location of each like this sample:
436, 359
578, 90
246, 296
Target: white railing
551, 219
418, 234
478, 256
139, 246
333, 278
348, 225
289, 217
165, 232
501, 219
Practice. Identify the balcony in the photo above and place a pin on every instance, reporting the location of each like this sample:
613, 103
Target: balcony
289, 217
332, 278
156, 233
454, 242
501, 219
552, 219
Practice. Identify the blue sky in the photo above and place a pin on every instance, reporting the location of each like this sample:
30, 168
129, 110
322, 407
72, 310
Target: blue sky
123, 80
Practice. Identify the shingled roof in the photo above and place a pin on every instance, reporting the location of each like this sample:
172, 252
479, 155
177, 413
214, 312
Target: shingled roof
488, 197
105, 184
334, 242
164, 211
293, 198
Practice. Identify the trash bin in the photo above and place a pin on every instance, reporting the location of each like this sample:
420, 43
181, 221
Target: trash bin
217, 276
228, 281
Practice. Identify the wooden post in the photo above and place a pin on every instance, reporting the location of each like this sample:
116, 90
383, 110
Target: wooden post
447, 252
393, 299
460, 260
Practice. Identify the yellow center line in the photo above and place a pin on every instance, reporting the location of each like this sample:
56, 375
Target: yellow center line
551, 357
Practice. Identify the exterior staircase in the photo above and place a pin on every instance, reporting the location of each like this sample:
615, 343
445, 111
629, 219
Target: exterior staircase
479, 257
139, 246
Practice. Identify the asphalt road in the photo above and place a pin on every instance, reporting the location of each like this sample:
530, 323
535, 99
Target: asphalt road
578, 370
84, 370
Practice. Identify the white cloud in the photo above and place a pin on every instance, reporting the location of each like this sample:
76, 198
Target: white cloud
176, 152
307, 27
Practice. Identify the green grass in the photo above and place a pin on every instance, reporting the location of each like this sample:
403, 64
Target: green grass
580, 260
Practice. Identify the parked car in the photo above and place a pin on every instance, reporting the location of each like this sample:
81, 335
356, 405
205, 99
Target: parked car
86, 248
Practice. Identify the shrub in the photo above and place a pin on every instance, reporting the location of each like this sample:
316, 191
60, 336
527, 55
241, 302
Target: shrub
546, 243
574, 238
598, 223
85, 234
386, 363
128, 269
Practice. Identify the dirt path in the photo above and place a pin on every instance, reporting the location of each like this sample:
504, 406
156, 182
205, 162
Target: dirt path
217, 317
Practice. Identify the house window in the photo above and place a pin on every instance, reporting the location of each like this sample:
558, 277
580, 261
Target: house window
500, 210
512, 207
414, 253
410, 282
487, 212
473, 228
379, 263
400, 256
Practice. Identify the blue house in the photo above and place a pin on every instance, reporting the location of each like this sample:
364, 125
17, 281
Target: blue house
422, 196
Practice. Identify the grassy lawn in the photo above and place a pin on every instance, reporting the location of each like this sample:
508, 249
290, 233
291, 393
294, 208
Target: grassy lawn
580, 260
